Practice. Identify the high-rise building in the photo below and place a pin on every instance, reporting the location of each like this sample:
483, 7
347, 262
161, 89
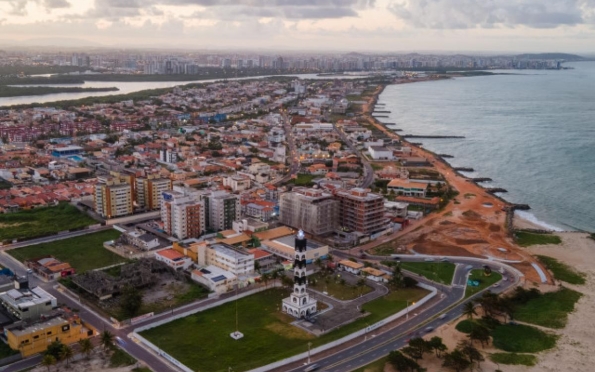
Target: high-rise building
299, 304
113, 196
149, 191
361, 211
183, 214
315, 211
222, 209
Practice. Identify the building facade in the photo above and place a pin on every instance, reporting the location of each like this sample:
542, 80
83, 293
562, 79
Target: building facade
113, 196
149, 191
222, 208
361, 211
316, 212
183, 214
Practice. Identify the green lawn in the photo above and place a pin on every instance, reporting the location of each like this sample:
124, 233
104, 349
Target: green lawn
120, 358
550, 309
441, 272
525, 238
562, 271
303, 179
6, 351
82, 252
466, 326
522, 339
514, 359
201, 341
42, 221
484, 281
332, 285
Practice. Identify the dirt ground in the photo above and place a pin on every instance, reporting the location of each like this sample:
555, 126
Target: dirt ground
98, 361
472, 225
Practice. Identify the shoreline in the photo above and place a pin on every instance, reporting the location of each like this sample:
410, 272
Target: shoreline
518, 217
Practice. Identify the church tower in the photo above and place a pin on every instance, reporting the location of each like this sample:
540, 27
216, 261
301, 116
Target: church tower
299, 304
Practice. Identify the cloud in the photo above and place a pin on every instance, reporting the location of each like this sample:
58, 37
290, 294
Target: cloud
463, 14
56, 4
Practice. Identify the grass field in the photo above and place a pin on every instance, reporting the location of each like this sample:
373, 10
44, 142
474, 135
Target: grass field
303, 179
42, 222
120, 358
522, 339
514, 359
550, 309
525, 239
466, 326
332, 285
562, 271
202, 342
441, 272
82, 252
484, 281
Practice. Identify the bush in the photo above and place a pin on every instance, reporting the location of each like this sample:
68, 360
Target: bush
466, 326
514, 359
562, 271
522, 339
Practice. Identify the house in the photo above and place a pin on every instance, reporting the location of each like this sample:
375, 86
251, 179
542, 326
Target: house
173, 259
408, 188
50, 268
351, 267
141, 240
375, 274
263, 259
380, 153
215, 279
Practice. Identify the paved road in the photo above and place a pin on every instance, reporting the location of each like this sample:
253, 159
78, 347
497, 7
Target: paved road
374, 346
52, 238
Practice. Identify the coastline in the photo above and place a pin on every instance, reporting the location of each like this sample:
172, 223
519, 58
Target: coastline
519, 218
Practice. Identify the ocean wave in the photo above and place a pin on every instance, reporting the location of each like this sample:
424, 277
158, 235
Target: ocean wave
531, 218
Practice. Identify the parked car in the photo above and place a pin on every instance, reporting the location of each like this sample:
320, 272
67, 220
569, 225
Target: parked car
312, 367
429, 259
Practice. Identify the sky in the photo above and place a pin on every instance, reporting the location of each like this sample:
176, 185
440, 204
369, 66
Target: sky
326, 25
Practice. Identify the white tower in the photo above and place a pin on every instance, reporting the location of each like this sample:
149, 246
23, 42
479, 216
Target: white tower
299, 304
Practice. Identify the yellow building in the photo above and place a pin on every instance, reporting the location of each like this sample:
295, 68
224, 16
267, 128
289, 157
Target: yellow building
34, 338
113, 196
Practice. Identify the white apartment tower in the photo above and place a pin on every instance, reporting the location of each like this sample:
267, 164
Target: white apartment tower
299, 304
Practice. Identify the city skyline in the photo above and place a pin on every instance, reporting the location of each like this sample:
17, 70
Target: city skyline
369, 25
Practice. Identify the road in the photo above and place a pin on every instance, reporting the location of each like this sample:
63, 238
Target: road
51, 238
374, 347
368, 170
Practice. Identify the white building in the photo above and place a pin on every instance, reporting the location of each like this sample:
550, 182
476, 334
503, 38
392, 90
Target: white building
226, 257
216, 279
236, 183
380, 153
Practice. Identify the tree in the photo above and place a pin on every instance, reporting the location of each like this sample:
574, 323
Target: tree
55, 349
360, 284
471, 353
265, 278
66, 354
481, 334
107, 339
86, 347
469, 310
397, 279
131, 302
403, 363
416, 348
436, 344
409, 282
48, 361
456, 360
275, 275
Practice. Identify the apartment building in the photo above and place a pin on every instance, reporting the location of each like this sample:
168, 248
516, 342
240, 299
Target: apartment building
26, 303
149, 191
183, 213
226, 257
311, 210
222, 209
113, 196
237, 183
361, 211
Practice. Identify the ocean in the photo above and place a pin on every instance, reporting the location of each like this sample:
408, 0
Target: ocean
532, 132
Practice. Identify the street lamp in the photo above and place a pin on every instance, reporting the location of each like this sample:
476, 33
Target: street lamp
412, 303
309, 345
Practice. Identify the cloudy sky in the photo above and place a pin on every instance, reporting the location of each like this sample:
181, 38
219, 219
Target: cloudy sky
345, 25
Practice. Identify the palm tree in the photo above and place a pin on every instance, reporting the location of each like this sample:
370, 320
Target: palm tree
86, 347
265, 278
469, 310
106, 339
48, 361
66, 354
275, 276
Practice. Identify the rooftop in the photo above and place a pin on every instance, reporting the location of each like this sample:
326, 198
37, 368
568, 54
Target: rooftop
289, 241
